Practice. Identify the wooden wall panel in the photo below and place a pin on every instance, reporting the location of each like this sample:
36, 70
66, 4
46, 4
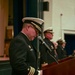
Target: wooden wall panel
3, 23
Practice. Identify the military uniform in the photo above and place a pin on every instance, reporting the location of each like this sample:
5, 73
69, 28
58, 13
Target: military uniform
61, 49
23, 57
61, 52
45, 56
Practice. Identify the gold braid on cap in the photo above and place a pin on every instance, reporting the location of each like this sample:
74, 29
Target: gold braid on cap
32, 71
36, 26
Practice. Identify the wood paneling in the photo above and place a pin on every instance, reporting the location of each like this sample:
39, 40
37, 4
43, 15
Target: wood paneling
3, 23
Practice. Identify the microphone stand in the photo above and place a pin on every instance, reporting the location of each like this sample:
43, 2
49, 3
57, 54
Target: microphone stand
39, 37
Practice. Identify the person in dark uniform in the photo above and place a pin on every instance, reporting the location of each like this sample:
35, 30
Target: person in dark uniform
61, 49
23, 57
73, 54
46, 54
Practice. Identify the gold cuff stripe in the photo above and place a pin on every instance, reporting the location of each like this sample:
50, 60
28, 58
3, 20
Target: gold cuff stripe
32, 71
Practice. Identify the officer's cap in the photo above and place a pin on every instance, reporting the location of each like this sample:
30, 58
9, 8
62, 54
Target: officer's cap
36, 22
61, 41
49, 29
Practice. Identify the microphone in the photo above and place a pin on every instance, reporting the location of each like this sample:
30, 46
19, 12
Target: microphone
40, 38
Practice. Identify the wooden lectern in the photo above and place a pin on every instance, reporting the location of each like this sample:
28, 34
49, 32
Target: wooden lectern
65, 67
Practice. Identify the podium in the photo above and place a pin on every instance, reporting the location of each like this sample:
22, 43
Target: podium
64, 67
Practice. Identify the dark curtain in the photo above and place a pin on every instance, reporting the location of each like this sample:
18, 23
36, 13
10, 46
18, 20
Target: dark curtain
70, 43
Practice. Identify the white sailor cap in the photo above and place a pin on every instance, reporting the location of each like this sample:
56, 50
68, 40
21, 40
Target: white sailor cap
62, 39
36, 22
49, 29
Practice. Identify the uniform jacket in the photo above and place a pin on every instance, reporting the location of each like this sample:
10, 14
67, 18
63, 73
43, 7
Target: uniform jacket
61, 52
22, 55
45, 56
